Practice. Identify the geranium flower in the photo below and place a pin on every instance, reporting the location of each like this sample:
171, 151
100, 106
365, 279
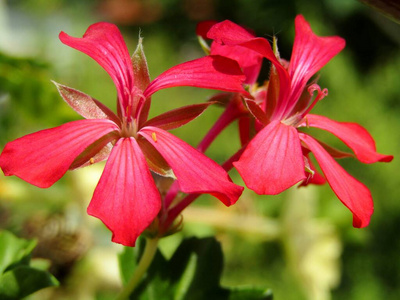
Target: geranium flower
278, 156
250, 63
126, 198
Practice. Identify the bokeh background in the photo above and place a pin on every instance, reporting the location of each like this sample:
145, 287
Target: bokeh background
301, 243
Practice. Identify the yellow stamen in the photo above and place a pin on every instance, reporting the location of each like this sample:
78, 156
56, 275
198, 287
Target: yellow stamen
154, 137
91, 160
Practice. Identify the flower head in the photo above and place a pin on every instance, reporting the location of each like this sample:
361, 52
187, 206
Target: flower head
126, 198
278, 156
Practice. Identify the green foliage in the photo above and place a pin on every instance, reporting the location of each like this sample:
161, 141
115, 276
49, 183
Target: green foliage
25, 94
17, 278
193, 272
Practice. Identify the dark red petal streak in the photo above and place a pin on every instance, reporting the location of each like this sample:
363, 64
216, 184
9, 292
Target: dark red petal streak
203, 27
273, 160
104, 43
353, 194
196, 173
210, 72
353, 135
126, 198
43, 157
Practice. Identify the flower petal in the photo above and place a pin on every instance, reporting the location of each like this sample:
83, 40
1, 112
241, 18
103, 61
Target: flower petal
310, 53
273, 160
353, 135
250, 61
353, 194
85, 105
126, 199
210, 72
104, 43
231, 34
43, 157
195, 172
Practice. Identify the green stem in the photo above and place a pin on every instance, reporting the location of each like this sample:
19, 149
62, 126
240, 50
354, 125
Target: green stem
144, 263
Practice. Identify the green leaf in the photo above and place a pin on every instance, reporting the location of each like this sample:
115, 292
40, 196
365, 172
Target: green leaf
192, 273
252, 293
17, 278
14, 251
23, 281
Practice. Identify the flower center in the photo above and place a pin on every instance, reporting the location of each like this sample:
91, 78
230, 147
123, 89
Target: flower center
129, 128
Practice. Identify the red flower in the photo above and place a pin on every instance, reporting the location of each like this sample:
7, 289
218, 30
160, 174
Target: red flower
126, 198
277, 157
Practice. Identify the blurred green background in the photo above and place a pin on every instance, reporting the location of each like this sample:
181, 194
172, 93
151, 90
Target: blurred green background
301, 243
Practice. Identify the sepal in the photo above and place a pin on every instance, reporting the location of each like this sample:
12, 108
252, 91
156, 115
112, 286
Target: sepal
178, 117
85, 105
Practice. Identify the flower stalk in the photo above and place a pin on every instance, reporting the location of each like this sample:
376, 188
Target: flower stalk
144, 263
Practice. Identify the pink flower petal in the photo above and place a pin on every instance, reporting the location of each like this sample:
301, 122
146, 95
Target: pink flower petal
353, 135
273, 160
126, 199
104, 43
310, 53
353, 194
195, 172
43, 157
231, 34
250, 61
210, 72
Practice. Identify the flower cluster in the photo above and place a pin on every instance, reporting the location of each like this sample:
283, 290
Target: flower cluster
275, 153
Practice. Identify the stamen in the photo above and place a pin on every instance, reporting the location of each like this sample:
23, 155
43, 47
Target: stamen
128, 111
91, 160
129, 105
320, 95
154, 137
